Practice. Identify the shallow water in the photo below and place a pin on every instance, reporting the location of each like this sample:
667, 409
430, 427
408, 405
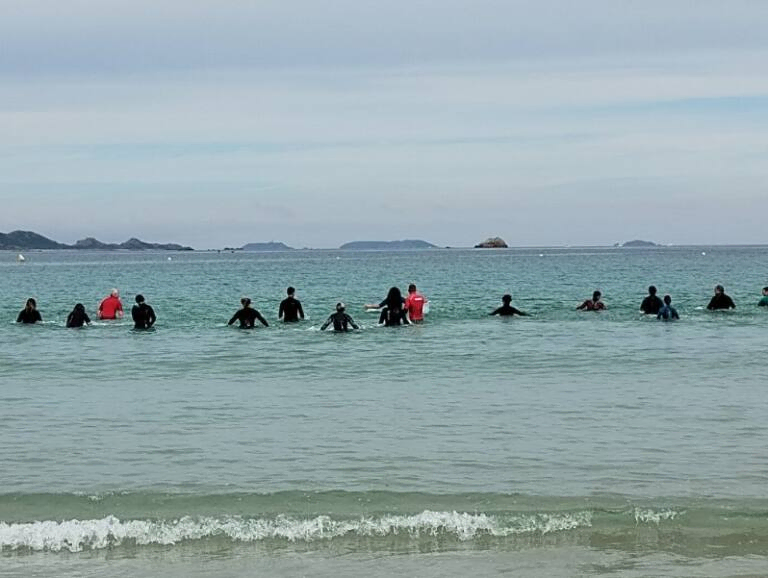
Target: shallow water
565, 443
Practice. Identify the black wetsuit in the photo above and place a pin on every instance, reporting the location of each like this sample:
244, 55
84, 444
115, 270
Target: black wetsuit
393, 314
77, 318
506, 310
247, 317
721, 301
341, 322
29, 316
290, 309
143, 316
651, 305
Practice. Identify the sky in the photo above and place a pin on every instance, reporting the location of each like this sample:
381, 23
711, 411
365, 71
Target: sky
316, 123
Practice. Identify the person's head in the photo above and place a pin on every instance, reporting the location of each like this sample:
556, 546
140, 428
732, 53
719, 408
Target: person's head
394, 297
506, 299
80, 308
245, 301
139, 298
667, 300
652, 290
719, 289
31, 303
340, 307
290, 291
596, 296
411, 288
115, 293
765, 291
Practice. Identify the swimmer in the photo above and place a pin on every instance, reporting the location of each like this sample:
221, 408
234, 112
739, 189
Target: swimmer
651, 304
393, 311
764, 300
111, 307
720, 300
341, 320
29, 314
247, 315
78, 317
290, 308
143, 315
506, 308
414, 304
593, 304
667, 312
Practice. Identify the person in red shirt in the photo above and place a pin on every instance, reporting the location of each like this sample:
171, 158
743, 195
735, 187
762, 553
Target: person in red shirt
111, 307
414, 304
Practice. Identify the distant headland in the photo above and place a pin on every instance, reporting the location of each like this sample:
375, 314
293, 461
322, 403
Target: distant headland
637, 243
387, 245
27, 240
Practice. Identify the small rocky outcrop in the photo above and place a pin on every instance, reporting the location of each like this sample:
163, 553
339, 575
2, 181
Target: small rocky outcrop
492, 243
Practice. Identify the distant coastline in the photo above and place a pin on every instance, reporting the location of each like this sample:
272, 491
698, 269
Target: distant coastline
30, 241
384, 245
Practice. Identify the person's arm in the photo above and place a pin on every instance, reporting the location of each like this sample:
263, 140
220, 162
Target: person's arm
711, 304
374, 306
86, 318
260, 318
152, 316
281, 310
119, 310
234, 317
675, 314
516, 311
325, 325
39, 317
301, 311
495, 311
731, 304
20, 317
351, 322
583, 305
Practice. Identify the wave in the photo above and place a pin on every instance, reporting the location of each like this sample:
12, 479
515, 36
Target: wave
78, 535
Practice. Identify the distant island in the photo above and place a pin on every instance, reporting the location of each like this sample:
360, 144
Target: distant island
271, 246
492, 243
387, 245
28, 240
639, 243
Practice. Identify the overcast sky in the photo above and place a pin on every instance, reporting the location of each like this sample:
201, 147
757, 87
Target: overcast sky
315, 123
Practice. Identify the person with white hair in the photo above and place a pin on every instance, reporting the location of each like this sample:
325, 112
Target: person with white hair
111, 307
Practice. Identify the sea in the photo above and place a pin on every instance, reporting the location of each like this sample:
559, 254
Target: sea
564, 443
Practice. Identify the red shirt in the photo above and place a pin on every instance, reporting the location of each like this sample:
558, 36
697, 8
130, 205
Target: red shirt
109, 307
414, 304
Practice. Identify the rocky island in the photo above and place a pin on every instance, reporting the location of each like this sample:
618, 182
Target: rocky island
639, 243
492, 243
28, 240
387, 245
271, 246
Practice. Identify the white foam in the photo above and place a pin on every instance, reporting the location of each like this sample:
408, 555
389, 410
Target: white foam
78, 535
654, 516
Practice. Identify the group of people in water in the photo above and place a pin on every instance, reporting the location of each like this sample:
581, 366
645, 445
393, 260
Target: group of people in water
394, 309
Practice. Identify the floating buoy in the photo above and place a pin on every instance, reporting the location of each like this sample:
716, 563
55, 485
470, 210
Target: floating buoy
20, 258
703, 252
170, 259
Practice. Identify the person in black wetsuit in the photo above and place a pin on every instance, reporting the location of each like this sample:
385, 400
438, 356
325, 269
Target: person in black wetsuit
247, 316
29, 314
506, 308
393, 310
720, 300
143, 315
290, 308
651, 305
78, 317
340, 319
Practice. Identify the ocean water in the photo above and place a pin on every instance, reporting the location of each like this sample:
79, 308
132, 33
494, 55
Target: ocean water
561, 444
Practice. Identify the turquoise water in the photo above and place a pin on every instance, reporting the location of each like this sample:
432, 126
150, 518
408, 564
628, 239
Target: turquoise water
565, 443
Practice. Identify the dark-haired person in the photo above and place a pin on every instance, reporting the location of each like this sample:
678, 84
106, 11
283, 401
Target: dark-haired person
143, 315
667, 312
392, 308
720, 300
764, 299
340, 320
290, 308
506, 309
594, 304
29, 314
651, 304
78, 317
247, 315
